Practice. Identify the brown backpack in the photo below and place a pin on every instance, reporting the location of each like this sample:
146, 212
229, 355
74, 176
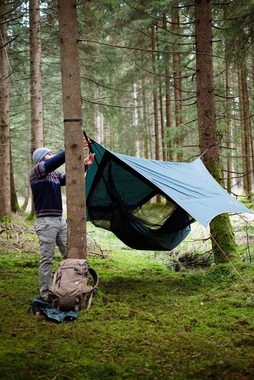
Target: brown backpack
71, 289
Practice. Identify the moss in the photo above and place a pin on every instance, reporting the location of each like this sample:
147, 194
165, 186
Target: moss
6, 220
145, 322
215, 169
223, 240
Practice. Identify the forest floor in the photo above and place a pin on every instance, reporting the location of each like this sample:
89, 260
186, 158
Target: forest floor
146, 321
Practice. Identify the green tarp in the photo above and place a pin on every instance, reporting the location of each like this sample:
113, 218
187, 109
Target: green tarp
117, 185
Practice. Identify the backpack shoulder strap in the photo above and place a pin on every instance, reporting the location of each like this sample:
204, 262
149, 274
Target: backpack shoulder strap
95, 278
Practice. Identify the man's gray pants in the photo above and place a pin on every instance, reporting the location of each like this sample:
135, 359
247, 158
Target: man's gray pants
51, 231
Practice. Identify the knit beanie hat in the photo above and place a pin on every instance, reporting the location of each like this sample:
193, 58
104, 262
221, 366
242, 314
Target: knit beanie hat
39, 154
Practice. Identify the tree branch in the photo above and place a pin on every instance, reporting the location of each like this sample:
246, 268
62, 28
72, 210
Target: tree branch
157, 20
133, 48
110, 105
107, 87
8, 42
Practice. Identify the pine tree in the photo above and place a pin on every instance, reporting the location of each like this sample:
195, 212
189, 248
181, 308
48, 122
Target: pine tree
72, 110
223, 242
5, 171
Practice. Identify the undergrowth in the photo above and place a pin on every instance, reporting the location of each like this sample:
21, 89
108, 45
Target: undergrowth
146, 321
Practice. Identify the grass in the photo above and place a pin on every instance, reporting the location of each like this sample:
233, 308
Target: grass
145, 322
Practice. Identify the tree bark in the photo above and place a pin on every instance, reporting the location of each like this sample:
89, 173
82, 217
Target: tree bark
14, 199
229, 128
35, 76
161, 103
168, 112
252, 99
145, 119
247, 163
177, 83
135, 118
72, 109
241, 148
5, 171
222, 237
155, 100
162, 124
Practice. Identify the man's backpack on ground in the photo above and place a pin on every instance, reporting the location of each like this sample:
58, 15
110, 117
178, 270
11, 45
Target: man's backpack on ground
71, 289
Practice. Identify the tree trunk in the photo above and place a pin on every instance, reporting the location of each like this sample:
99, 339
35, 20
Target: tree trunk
223, 242
246, 131
99, 123
14, 199
169, 155
35, 80
27, 196
135, 118
5, 172
145, 119
72, 109
162, 120
168, 112
35, 76
155, 100
177, 83
229, 129
241, 148
252, 100
161, 109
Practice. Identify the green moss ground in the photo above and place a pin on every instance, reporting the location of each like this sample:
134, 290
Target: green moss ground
146, 322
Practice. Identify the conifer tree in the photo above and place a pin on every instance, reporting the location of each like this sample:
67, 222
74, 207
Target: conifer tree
5, 172
223, 242
35, 76
71, 87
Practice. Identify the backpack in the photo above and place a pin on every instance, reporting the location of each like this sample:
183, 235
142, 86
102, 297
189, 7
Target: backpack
70, 288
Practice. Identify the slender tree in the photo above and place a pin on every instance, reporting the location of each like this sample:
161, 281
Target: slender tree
239, 51
14, 197
247, 162
71, 88
223, 242
168, 111
229, 127
241, 148
5, 172
155, 96
177, 81
145, 118
35, 75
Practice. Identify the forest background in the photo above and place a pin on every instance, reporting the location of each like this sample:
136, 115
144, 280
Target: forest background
144, 91
138, 73
162, 79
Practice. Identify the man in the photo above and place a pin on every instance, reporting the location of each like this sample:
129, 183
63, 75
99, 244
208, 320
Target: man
50, 226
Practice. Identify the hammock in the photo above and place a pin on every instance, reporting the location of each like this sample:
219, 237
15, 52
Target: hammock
117, 186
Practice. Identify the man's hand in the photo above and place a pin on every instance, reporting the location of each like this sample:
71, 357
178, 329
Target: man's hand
86, 143
89, 159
